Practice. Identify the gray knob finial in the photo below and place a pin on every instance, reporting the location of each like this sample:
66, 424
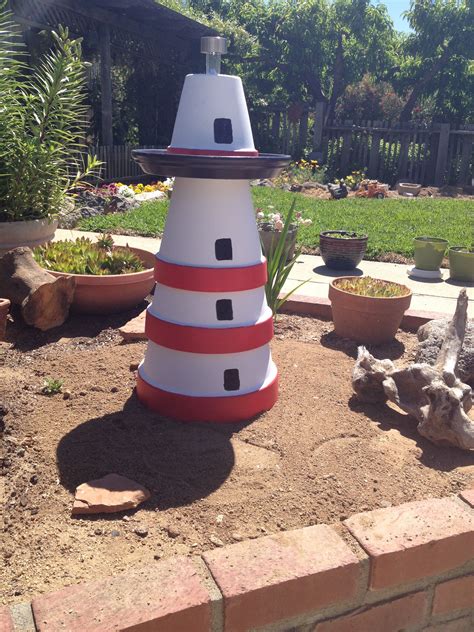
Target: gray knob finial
213, 44
213, 48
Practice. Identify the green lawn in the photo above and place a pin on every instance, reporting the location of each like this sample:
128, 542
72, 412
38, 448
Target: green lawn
391, 224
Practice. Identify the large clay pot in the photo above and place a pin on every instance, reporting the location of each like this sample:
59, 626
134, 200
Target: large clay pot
461, 264
112, 293
429, 252
341, 249
270, 237
30, 233
365, 319
4, 309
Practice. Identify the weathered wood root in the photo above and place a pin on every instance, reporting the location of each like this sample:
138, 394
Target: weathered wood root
43, 298
434, 395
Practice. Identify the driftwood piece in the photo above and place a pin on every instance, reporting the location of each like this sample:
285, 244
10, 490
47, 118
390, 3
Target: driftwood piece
434, 395
43, 298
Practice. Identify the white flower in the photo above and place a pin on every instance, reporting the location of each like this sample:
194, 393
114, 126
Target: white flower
278, 224
276, 216
307, 222
260, 215
169, 183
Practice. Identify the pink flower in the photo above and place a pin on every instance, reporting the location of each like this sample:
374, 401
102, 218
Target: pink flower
278, 224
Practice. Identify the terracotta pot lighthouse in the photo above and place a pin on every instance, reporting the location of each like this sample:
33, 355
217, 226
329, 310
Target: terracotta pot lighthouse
209, 326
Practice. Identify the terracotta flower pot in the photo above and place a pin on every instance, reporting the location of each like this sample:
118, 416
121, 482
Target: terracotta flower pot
365, 319
344, 252
112, 293
4, 309
31, 233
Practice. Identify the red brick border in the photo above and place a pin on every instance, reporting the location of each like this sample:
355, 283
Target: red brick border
406, 567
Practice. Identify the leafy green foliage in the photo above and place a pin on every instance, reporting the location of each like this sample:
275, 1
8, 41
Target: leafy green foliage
84, 257
52, 386
374, 288
370, 100
279, 267
42, 126
391, 224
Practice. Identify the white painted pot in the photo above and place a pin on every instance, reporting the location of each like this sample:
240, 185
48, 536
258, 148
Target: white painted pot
31, 233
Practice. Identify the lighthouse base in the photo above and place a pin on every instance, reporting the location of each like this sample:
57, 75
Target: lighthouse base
216, 409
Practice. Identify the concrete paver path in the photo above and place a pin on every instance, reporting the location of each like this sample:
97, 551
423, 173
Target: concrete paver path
430, 296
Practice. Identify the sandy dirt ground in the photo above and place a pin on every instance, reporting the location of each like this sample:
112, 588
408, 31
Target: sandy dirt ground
317, 456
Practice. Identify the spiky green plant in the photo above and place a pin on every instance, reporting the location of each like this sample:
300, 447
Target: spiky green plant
82, 256
279, 268
374, 288
42, 125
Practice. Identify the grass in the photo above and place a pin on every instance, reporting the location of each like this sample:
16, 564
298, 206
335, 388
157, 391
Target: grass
391, 224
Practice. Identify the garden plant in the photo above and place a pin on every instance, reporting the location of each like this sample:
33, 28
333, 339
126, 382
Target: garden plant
42, 124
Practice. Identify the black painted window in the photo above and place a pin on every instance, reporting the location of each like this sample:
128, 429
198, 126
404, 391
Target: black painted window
223, 131
223, 249
231, 380
224, 309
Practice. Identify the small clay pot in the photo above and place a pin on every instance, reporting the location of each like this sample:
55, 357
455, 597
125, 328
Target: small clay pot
4, 309
366, 319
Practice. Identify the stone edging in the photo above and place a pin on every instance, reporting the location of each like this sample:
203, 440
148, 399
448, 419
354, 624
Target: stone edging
321, 308
408, 567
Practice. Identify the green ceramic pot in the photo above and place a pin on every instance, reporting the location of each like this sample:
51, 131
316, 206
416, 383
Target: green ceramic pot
461, 264
429, 252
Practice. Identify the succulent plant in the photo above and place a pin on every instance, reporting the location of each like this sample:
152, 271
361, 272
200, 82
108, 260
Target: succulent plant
374, 288
82, 256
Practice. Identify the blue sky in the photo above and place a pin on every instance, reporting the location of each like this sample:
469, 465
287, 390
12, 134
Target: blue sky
395, 8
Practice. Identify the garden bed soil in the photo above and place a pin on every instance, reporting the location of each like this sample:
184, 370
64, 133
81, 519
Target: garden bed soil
317, 457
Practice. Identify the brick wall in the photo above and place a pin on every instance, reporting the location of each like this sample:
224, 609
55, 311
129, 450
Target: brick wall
407, 568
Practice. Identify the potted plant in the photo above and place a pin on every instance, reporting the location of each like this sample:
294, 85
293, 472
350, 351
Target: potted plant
109, 279
270, 225
368, 310
429, 253
4, 309
342, 249
42, 119
461, 263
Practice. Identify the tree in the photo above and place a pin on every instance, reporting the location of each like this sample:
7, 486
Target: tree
436, 58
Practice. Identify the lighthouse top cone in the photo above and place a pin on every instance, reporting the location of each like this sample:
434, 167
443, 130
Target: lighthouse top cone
212, 136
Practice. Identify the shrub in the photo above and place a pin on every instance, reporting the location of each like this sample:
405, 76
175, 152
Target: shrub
42, 121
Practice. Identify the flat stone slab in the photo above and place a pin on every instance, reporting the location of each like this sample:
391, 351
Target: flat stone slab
134, 329
109, 494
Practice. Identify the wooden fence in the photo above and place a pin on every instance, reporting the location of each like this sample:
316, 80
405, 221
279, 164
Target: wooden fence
439, 154
434, 155
118, 163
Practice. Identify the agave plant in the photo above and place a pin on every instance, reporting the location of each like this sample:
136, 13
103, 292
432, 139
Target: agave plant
42, 125
279, 268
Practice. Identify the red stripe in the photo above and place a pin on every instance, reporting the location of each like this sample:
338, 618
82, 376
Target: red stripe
212, 152
208, 339
210, 279
216, 409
